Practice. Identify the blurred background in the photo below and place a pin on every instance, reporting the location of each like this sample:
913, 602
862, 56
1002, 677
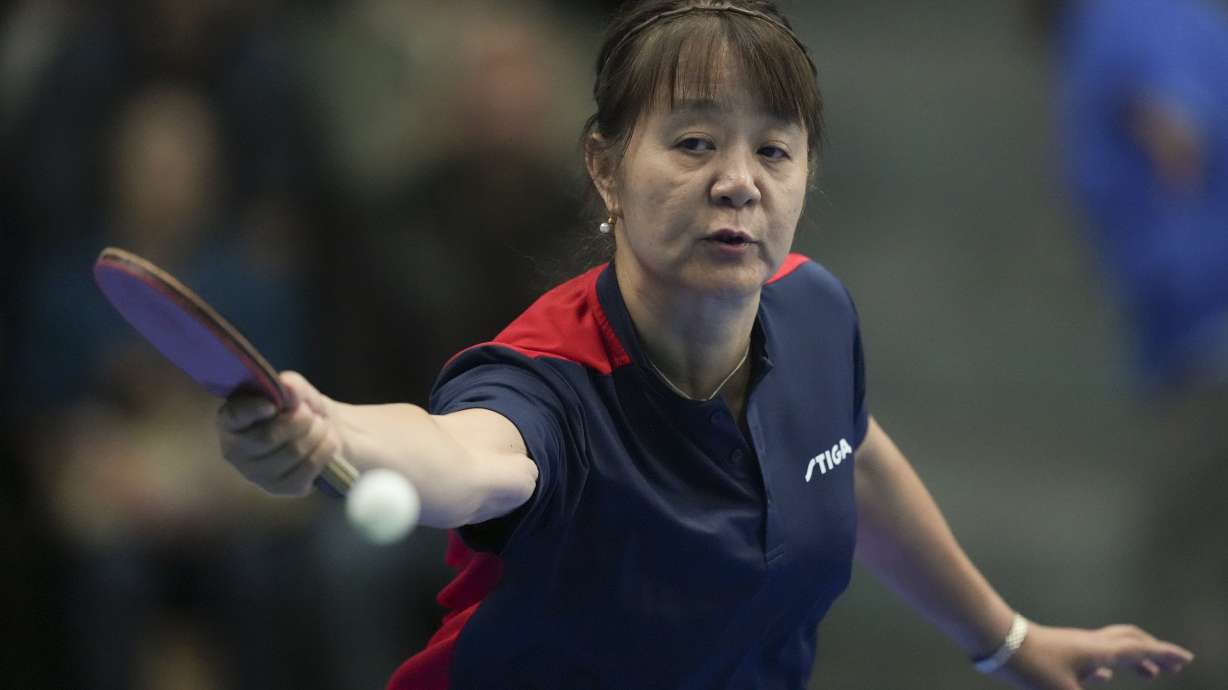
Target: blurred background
1028, 200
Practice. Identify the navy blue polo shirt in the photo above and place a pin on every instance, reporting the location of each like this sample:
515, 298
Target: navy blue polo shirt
662, 548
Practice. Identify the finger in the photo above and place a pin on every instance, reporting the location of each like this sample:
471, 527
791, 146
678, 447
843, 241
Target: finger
1137, 634
308, 445
264, 451
313, 452
1180, 656
297, 481
1125, 630
1101, 675
293, 383
271, 469
241, 412
267, 470
260, 467
262, 439
1165, 654
301, 391
1147, 668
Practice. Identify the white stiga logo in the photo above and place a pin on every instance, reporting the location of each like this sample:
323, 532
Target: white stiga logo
829, 459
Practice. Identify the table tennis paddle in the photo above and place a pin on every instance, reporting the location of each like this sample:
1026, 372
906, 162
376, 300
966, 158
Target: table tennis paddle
195, 338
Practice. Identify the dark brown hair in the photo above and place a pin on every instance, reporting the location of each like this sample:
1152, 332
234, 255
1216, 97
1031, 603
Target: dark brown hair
657, 52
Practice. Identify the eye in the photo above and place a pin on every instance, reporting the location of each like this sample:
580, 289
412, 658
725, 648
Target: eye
773, 153
695, 145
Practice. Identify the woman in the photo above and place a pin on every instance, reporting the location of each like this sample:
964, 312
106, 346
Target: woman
660, 470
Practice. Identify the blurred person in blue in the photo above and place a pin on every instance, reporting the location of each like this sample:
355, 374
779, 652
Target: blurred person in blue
1143, 105
1144, 128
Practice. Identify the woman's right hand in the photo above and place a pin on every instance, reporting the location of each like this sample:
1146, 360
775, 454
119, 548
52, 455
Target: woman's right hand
282, 452
468, 466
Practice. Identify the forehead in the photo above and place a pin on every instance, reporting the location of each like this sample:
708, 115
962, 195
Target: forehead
708, 67
720, 90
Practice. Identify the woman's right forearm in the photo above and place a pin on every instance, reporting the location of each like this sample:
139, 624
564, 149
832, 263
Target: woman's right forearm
468, 466
458, 482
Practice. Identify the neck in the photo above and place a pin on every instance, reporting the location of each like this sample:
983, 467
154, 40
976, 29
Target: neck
695, 340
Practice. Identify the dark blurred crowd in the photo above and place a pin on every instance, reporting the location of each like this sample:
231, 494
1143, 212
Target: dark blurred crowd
365, 187
362, 188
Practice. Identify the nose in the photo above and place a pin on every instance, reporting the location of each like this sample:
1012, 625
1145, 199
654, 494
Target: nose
735, 185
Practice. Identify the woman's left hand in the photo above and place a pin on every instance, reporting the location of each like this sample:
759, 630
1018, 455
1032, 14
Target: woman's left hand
1072, 658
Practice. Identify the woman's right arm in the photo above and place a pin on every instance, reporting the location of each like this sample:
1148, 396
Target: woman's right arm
468, 466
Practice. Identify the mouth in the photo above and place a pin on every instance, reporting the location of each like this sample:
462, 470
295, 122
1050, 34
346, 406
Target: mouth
730, 238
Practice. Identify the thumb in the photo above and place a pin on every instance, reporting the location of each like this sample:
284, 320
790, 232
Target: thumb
300, 391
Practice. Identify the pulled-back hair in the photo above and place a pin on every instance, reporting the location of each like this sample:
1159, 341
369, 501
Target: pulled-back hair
657, 52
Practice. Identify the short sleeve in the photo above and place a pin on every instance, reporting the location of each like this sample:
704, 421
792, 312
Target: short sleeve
861, 414
527, 394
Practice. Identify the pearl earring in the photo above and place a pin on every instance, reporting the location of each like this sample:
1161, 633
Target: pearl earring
606, 227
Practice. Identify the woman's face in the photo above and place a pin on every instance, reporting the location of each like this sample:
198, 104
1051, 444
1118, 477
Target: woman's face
709, 194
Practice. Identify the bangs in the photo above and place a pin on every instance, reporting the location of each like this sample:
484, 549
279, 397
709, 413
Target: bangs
691, 58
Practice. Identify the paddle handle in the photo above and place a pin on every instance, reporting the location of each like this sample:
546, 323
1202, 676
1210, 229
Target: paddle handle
337, 478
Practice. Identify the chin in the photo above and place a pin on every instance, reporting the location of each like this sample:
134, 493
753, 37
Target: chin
731, 281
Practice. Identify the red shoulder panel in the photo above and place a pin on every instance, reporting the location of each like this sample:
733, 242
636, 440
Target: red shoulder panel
791, 263
568, 323
477, 574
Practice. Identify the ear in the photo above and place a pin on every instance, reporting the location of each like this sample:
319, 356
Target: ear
601, 167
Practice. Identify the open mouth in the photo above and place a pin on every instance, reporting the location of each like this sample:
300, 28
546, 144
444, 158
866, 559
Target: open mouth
730, 238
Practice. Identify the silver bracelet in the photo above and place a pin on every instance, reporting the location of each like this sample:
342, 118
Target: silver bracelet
1014, 640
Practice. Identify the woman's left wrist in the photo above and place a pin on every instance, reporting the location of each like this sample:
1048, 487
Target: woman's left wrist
1006, 649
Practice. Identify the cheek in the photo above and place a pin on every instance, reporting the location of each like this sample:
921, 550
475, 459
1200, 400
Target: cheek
798, 209
793, 201
656, 195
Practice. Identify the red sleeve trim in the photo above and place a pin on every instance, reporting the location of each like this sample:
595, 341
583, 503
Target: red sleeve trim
477, 574
790, 265
568, 323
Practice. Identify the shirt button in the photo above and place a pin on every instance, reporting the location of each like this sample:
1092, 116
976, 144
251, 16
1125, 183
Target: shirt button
717, 417
736, 456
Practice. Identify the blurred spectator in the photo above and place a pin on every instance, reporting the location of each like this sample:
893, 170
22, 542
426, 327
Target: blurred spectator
459, 231
478, 222
174, 129
1144, 108
179, 130
30, 32
473, 231
382, 69
124, 448
1144, 105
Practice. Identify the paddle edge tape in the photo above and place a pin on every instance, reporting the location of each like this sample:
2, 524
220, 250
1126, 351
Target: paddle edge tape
339, 475
263, 373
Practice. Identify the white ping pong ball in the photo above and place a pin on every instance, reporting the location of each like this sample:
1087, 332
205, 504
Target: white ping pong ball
382, 506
